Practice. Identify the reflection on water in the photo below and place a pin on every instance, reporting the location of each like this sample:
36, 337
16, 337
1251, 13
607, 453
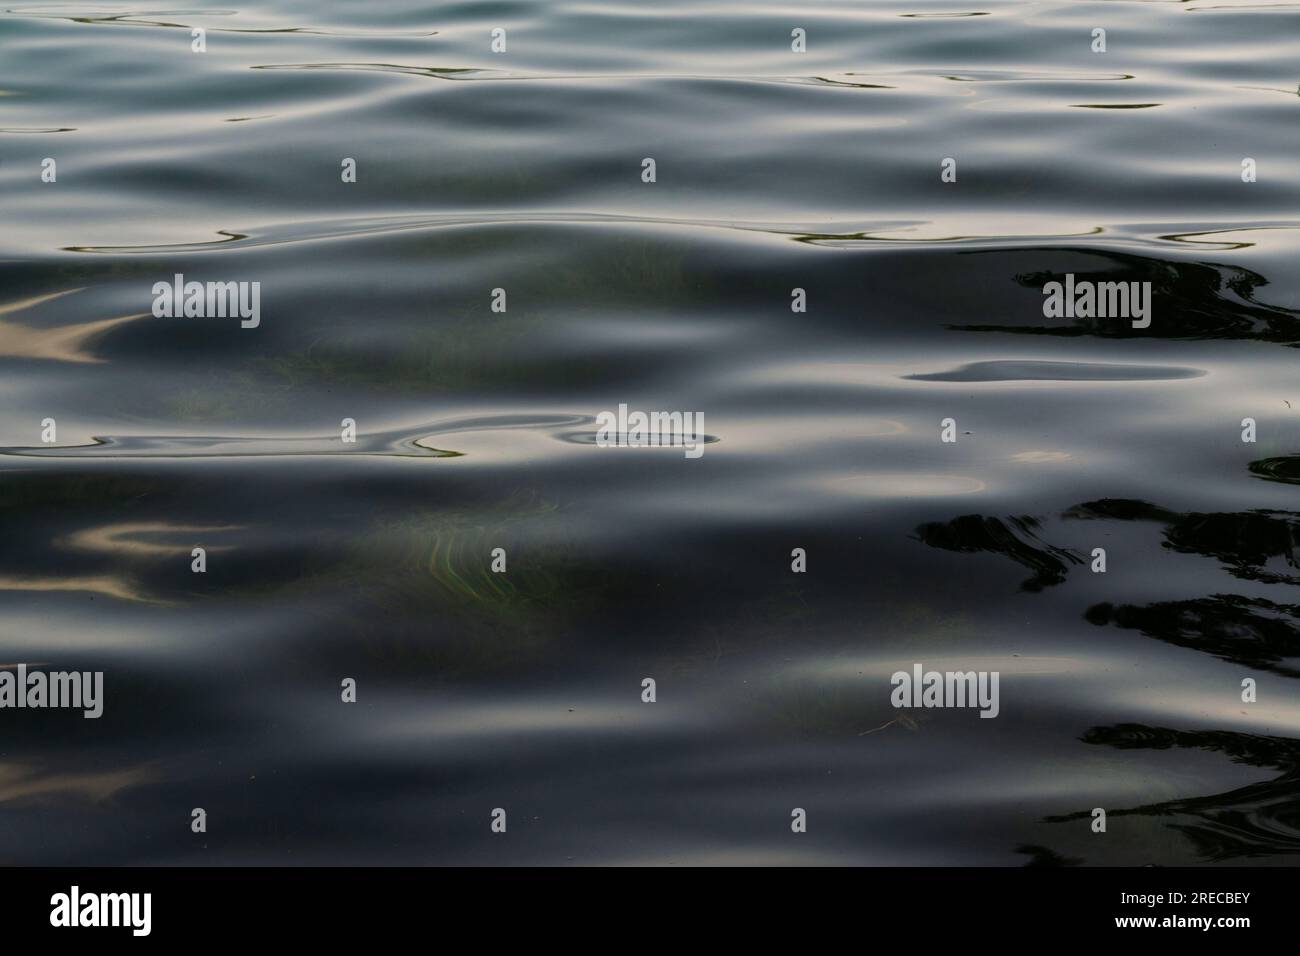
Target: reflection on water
1251, 631
1255, 822
1283, 468
1245, 543
474, 433
1013, 538
1256, 632
1196, 300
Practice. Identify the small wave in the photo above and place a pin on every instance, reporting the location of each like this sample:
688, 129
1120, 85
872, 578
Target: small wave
1021, 371
408, 442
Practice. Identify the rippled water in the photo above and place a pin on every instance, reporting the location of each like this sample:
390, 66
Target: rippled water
475, 430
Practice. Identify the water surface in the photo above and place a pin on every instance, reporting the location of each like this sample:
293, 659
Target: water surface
475, 431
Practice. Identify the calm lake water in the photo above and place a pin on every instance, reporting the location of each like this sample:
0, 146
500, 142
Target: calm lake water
475, 430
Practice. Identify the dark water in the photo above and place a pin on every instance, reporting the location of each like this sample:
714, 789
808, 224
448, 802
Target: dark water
475, 431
